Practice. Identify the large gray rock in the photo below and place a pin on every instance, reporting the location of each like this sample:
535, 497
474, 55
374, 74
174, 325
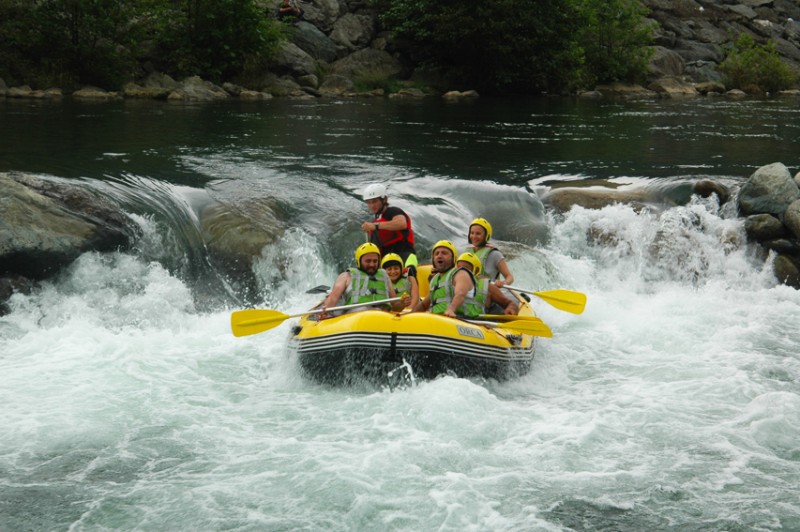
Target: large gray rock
673, 88
368, 60
157, 85
46, 224
770, 190
315, 43
335, 85
763, 227
234, 239
666, 62
290, 58
197, 89
786, 271
353, 31
322, 13
791, 218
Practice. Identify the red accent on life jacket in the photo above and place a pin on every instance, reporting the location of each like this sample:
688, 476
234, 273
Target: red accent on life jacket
387, 238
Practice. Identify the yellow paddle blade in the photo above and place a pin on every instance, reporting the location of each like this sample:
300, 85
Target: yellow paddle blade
566, 300
254, 321
531, 328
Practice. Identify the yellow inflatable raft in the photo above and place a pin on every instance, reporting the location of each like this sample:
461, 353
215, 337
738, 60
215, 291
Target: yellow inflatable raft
372, 345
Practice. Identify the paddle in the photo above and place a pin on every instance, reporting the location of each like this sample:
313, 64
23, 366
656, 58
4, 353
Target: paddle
508, 317
254, 321
528, 327
566, 300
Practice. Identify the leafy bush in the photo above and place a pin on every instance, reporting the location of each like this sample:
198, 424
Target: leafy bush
754, 68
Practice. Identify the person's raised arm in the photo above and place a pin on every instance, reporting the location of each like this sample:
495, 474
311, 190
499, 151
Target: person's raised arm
462, 284
508, 278
339, 286
414, 299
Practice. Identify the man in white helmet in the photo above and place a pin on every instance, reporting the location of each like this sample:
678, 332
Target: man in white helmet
391, 229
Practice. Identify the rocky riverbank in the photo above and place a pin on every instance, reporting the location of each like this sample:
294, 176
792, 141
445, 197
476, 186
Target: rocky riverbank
46, 223
339, 42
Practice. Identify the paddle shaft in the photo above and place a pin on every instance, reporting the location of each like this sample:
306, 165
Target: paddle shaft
318, 311
261, 320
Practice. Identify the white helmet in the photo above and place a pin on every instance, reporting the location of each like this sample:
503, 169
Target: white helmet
375, 190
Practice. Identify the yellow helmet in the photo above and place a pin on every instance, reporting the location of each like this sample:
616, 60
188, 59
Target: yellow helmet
363, 249
390, 258
483, 222
472, 259
445, 244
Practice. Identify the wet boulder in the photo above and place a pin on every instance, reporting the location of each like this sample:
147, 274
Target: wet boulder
770, 190
235, 236
705, 188
46, 223
791, 218
762, 227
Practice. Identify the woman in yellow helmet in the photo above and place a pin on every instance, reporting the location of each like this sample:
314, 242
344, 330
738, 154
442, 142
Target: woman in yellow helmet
493, 263
403, 282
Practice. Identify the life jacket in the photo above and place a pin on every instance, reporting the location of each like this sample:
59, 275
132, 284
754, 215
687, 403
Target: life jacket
384, 238
482, 253
365, 288
402, 285
482, 291
442, 294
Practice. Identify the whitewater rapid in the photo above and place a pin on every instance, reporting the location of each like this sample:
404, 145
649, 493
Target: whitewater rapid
673, 402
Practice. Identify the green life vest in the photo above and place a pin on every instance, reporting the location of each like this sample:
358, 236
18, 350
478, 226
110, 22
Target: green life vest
482, 253
366, 288
442, 294
482, 291
402, 286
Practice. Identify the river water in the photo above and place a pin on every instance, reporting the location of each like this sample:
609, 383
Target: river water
671, 403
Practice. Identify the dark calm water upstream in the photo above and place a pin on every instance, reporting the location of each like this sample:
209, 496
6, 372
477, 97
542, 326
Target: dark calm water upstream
506, 140
672, 403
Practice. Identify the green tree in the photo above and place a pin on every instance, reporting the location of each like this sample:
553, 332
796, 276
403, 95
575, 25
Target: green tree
615, 40
66, 42
503, 45
520, 45
216, 39
756, 68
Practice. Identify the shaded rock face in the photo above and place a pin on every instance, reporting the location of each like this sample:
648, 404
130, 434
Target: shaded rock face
46, 224
698, 31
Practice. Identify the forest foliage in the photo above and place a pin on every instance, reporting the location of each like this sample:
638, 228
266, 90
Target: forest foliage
502, 46
523, 46
69, 43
